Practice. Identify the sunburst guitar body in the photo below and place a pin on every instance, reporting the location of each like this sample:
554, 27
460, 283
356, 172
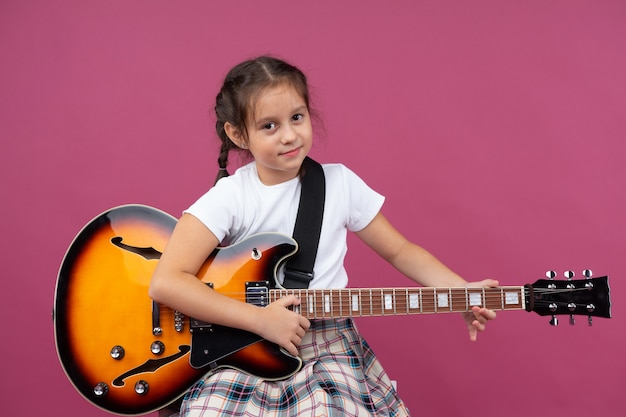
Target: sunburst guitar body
129, 355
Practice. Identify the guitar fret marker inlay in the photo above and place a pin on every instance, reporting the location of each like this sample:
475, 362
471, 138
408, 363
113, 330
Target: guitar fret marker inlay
511, 298
388, 302
442, 300
475, 299
414, 301
355, 302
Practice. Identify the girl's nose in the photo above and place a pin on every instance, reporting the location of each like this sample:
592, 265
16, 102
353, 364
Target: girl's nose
289, 134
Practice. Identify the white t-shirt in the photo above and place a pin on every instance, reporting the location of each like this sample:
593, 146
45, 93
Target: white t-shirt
240, 205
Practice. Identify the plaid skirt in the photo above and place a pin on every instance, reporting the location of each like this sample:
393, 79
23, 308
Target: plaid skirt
340, 376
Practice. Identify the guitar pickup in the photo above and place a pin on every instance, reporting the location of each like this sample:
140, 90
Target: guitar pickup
257, 293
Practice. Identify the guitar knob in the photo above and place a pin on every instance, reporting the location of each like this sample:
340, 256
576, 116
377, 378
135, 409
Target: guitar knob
117, 352
101, 389
157, 347
141, 387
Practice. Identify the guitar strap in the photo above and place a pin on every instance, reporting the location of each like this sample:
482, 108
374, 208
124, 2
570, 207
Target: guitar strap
299, 268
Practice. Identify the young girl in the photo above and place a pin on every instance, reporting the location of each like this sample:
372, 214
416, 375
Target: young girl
263, 110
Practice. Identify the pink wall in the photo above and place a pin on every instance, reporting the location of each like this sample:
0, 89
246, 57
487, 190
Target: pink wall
495, 129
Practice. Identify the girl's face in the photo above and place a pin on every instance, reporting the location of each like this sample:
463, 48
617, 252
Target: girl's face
280, 134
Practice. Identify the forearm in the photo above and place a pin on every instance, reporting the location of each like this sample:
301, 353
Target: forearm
424, 268
410, 259
185, 293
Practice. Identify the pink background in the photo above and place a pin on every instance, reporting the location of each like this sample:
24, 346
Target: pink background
494, 128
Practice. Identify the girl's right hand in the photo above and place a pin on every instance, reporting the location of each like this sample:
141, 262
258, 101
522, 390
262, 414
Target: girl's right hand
282, 326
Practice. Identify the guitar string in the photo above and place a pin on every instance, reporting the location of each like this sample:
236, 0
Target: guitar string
374, 301
377, 294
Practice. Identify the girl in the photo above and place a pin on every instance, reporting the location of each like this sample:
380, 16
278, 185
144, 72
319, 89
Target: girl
263, 110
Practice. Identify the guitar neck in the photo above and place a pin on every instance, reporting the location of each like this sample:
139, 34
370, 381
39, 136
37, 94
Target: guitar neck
368, 302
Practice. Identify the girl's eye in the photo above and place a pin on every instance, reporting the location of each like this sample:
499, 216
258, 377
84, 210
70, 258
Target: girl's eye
297, 117
269, 126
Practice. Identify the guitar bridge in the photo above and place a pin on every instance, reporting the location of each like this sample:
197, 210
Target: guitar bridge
257, 293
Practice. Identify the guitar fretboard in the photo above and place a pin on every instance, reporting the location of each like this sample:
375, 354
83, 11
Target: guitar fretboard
365, 302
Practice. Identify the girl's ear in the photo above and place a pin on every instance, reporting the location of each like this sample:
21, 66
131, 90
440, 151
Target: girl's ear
234, 134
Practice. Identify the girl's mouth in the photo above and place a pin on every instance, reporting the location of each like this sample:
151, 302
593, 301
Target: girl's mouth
291, 153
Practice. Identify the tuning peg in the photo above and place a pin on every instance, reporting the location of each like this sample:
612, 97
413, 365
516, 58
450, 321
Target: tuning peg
550, 274
569, 275
571, 320
554, 321
588, 274
590, 320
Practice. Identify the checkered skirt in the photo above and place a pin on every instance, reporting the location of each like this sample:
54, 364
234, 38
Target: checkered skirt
341, 376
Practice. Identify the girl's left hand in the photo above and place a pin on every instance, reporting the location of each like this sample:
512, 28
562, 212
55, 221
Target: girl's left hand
478, 317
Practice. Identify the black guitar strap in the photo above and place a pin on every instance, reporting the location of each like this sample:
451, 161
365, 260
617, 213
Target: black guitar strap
299, 268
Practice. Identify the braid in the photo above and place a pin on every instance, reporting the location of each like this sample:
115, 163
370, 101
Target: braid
222, 160
227, 145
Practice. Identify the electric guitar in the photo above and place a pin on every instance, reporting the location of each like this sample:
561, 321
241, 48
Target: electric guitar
129, 355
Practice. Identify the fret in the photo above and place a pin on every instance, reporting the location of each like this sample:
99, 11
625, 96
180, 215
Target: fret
388, 300
340, 304
406, 300
492, 298
310, 303
466, 300
298, 308
394, 300
377, 307
458, 299
421, 301
347, 305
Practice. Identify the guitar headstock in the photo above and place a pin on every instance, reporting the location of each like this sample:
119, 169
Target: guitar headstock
581, 297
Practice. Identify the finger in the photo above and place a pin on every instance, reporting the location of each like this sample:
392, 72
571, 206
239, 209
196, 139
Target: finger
484, 283
304, 323
473, 333
292, 349
489, 283
288, 300
483, 314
